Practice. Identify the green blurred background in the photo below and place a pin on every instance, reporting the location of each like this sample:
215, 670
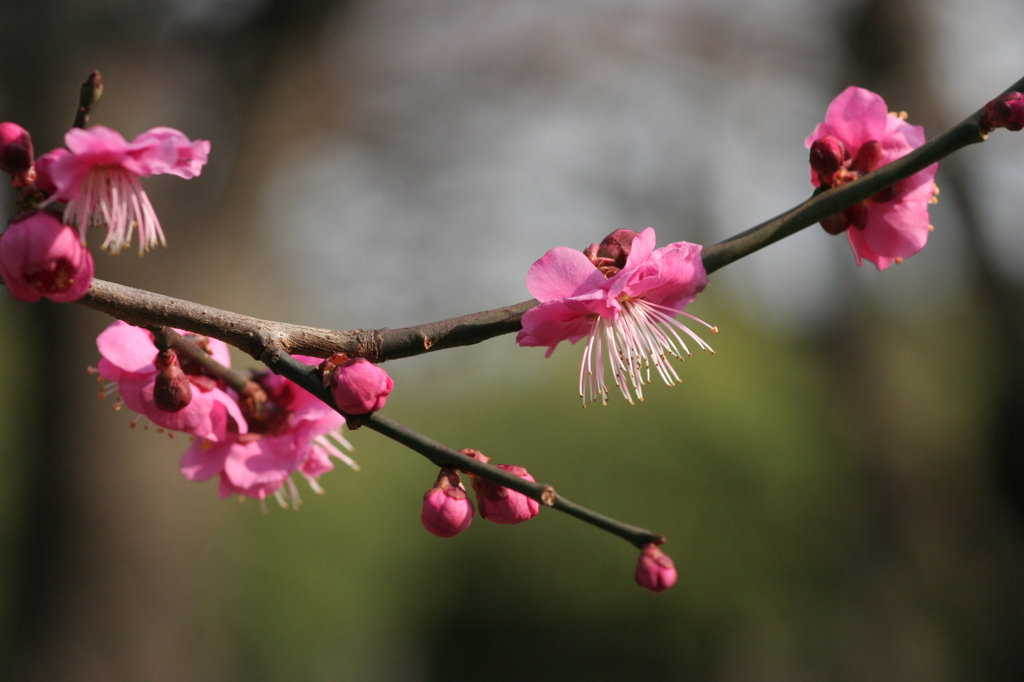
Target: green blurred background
842, 484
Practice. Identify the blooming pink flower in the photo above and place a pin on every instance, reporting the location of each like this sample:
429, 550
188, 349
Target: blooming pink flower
447, 510
129, 363
655, 570
16, 154
293, 431
98, 176
41, 257
893, 224
359, 386
497, 503
622, 295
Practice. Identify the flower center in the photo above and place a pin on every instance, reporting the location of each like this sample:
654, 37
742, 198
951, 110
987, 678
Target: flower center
269, 415
55, 279
644, 334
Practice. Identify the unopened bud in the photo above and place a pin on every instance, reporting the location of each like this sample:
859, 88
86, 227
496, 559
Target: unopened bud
359, 386
16, 154
827, 156
616, 246
835, 223
857, 215
868, 157
447, 509
172, 391
655, 571
497, 503
1006, 111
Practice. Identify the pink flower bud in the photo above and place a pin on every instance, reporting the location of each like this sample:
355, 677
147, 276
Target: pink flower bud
655, 570
1006, 111
172, 391
447, 510
497, 503
827, 156
40, 257
359, 386
16, 154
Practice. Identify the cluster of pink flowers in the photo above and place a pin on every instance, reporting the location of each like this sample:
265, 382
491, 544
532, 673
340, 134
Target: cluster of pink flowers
858, 136
96, 176
253, 440
623, 296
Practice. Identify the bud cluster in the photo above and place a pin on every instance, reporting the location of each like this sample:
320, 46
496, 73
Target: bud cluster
447, 510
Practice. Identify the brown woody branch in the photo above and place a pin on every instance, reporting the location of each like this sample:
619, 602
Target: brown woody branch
259, 337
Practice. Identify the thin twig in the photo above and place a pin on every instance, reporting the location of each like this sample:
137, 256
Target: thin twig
88, 97
165, 337
443, 456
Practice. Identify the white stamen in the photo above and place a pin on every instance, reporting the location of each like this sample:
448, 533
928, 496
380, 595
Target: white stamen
644, 334
111, 196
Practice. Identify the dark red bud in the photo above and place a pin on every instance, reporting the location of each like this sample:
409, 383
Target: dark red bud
857, 215
827, 156
868, 158
885, 195
173, 390
615, 247
835, 224
1006, 111
16, 154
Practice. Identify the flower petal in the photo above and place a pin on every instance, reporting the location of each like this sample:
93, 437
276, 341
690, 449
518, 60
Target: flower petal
672, 276
562, 272
129, 348
855, 117
205, 459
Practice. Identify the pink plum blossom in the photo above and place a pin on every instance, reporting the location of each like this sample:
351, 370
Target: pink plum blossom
130, 364
293, 431
359, 386
497, 503
447, 509
655, 571
98, 176
41, 257
893, 224
622, 295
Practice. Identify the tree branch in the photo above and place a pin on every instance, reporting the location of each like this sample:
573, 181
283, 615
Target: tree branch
259, 338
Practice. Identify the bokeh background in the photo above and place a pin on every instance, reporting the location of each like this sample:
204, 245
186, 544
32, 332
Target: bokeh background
842, 484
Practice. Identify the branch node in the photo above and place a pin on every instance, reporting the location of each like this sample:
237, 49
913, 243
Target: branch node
548, 496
